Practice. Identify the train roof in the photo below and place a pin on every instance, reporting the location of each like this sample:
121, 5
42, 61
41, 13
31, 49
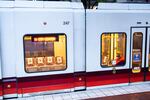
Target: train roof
123, 6
41, 4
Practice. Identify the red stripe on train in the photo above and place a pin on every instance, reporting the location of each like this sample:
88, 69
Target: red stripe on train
68, 81
137, 77
79, 79
46, 88
147, 74
45, 83
9, 87
1, 88
107, 78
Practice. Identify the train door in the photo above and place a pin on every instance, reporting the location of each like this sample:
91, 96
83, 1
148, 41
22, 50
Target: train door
147, 69
138, 61
1, 84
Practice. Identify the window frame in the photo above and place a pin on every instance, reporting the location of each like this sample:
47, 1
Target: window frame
141, 48
44, 34
103, 66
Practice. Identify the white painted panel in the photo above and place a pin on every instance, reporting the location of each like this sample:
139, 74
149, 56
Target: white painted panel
8, 47
6, 4
123, 6
115, 6
99, 22
57, 5
77, 5
0, 59
79, 40
26, 4
0, 64
139, 6
30, 21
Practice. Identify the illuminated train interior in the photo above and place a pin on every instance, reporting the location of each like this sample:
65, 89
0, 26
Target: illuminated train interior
45, 53
53, 47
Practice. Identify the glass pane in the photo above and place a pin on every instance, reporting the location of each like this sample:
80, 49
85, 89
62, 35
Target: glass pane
113, 49
137, 52
45, 52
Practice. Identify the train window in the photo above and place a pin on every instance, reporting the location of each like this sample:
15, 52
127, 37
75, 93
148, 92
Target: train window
137, 51
45, 52
113, 48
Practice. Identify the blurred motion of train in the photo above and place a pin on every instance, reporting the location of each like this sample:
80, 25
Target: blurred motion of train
49, 47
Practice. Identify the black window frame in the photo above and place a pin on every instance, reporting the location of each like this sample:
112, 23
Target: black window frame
141, 48
103, 66
44, 34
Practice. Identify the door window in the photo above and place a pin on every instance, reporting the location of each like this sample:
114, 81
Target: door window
137, 52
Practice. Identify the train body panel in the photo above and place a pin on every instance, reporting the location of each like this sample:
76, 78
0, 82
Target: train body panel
8, 52
7, 43
42, 47
79, 49
54, 25
25, 20
79, 38
102, 64
51, 47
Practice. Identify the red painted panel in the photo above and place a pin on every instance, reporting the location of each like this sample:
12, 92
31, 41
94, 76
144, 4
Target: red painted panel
1, 88
137, 77
26, 82
19, 90
107, 78
45, 83
10, 91
9, 86
79, 79
78, 84
147, 75
46, 88
66, 81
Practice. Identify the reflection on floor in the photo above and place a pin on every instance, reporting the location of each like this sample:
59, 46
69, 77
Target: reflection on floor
128, 92
132, 96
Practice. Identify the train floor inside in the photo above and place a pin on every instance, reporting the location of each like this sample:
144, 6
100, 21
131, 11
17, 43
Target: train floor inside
140, 91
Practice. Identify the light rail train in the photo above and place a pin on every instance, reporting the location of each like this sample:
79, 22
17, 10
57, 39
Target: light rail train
51, 47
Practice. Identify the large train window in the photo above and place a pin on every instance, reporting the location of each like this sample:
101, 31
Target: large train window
45, 52
113, 49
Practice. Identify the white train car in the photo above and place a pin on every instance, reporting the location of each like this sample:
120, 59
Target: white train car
117, 44
49, 47
37, 47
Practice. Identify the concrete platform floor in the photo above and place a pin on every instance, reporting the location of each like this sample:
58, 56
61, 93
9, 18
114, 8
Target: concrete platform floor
140, 91
132, 96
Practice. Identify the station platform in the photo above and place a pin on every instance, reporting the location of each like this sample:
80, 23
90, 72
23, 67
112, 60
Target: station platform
140, 91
